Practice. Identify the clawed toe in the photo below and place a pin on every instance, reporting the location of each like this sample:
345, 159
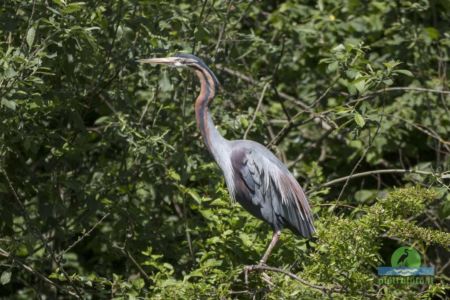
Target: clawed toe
264, 276
267, 279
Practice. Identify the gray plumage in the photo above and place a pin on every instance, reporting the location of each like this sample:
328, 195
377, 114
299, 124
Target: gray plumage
266, 188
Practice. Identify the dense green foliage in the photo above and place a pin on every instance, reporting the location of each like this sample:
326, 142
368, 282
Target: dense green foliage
106, 189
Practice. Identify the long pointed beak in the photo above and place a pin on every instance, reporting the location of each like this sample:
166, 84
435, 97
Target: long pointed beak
158, 61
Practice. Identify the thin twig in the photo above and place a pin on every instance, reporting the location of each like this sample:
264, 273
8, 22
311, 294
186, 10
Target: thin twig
128, 254
428, 131
6, 254
84, 235
200, 19
257, 109
150, 100
38, 234
314, 145
366, 150
326, 122
407, 88
222, 30
386, 171
321, 288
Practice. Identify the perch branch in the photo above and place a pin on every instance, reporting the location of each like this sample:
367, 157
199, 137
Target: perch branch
386, 171
321, 288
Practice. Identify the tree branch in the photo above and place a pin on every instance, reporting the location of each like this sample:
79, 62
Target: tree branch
326, 123
386, 171
321, 288
128, 254
406, 88
84, 235
256, 109
6, 254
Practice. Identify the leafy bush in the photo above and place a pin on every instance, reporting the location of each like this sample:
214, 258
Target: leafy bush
106, 188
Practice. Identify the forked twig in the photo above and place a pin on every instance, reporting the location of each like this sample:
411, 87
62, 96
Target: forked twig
321, 288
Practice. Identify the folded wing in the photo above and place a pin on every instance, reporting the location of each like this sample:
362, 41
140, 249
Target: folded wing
272, 189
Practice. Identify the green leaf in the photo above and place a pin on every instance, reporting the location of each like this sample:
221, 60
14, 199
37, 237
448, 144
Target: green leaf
9, 104
352, 73
102, 120
73, 7
360, 85
432, 32
338, 48
359, 120
194, 196
5, 278
404, 72
333, 66
212, 263
139, 283
391, 64
364, 195
245, 238
174, 175
30, 36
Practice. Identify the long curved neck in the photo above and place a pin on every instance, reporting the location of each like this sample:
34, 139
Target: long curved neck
211, 136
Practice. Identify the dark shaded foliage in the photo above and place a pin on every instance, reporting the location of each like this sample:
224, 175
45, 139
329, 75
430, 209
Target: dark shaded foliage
106, 190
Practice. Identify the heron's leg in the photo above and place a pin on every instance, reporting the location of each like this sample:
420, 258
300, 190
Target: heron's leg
275, 238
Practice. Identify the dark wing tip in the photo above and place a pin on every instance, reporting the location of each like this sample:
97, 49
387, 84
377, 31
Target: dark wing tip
300, 219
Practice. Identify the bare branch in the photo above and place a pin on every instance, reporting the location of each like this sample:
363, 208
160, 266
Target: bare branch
257, 109
324, 289
222, 30
386, 171
407, 88
128, 254
6, 254
84, 235
318, 118
38, 234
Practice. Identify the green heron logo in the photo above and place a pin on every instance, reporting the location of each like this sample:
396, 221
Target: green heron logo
406, 257
406, 269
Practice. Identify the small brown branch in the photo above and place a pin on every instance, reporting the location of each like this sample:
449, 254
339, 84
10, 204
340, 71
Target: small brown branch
319, 118
313, 146
258, 106
26, 267
428, 131
386, 171
128, 254
397, 88
406, 88
84, 235
35, 230
222, 30
324, 289
284, 131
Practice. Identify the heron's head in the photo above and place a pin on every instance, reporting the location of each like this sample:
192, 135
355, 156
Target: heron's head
183, 60
178, 61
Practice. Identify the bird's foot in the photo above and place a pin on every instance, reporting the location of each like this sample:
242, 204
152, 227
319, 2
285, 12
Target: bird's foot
267, 279
264, 276
247, 269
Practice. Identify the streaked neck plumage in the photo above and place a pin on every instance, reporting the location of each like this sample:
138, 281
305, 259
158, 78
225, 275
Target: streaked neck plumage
218, 146
211, 136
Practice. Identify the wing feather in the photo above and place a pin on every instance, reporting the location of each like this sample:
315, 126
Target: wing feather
273, 190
